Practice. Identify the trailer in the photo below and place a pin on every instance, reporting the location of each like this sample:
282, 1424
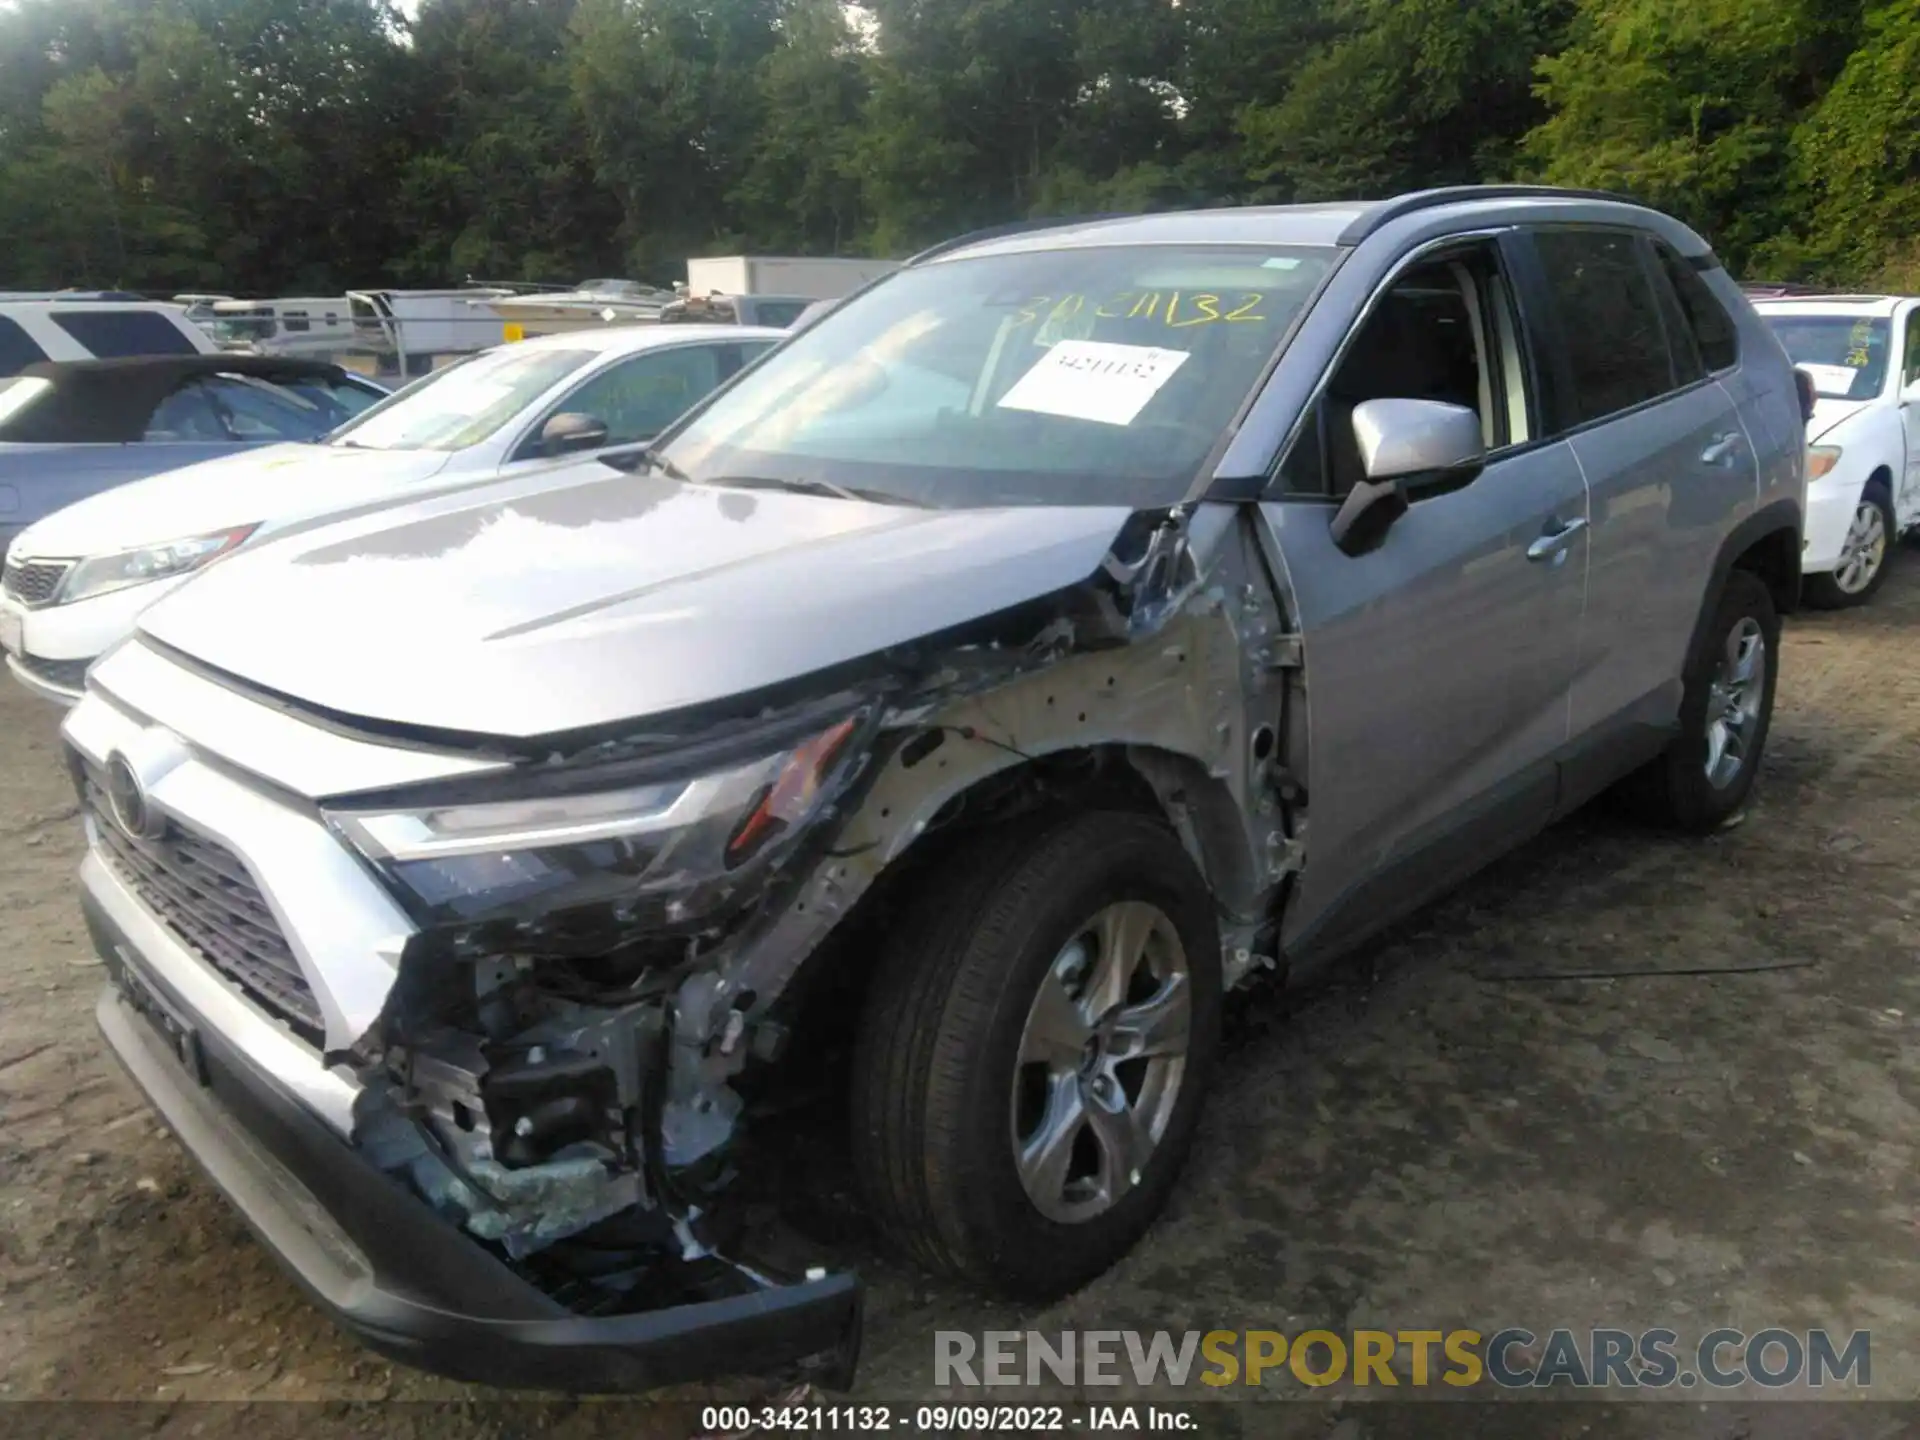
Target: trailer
809, 278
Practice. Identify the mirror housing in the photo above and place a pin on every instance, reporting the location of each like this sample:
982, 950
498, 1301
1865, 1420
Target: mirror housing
1809, 394
570, 430
1410, 449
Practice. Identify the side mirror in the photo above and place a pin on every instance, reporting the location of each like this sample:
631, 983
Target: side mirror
1809, 394
570, 431
1410, 449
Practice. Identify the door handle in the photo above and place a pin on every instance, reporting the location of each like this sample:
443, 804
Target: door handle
1552, 545
1721, 450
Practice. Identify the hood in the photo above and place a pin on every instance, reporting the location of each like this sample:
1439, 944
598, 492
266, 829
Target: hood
587, 595
275, 482
1830, 414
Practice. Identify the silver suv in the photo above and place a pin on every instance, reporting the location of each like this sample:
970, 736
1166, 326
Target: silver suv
505, 891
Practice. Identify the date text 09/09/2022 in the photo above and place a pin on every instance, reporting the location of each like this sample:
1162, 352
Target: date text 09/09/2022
943, 1419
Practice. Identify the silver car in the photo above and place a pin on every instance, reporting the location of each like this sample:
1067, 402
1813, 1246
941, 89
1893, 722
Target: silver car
73, 429
931, 731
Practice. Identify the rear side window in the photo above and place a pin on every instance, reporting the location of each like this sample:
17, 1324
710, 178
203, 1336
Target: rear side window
109, 334
1610, 319
17, 350
1712, 327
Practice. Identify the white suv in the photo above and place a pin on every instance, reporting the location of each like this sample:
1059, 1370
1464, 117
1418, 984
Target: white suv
1863, 462
35, 330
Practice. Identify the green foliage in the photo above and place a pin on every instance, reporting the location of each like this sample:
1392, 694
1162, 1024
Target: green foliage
293, 145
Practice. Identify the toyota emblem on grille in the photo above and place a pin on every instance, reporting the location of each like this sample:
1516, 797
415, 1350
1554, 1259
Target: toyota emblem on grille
127, 798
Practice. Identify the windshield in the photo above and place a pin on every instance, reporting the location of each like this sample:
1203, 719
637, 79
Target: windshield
1846, 357
1062, 377
462, 404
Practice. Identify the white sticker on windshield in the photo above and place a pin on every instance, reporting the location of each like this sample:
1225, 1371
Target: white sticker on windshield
1094, 380
1831, 379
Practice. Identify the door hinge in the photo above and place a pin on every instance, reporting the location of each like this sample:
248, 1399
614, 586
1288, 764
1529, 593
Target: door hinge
1285, 652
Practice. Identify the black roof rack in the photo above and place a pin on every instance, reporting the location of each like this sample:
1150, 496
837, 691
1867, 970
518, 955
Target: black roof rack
1381, 212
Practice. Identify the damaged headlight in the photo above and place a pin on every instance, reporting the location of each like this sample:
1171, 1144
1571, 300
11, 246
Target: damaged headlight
681, 831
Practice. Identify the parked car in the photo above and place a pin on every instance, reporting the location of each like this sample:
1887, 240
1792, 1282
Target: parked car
1863, 471
1217, 588
32, 331
75, 582
73, 429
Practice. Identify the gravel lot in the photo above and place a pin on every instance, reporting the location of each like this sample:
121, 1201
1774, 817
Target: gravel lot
1432, 1142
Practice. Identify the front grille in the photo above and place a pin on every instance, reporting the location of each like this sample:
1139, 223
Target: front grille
32, 582
64, 674
203, 893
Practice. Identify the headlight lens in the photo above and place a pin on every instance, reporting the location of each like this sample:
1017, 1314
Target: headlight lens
105, 573
671, 848
1821, 459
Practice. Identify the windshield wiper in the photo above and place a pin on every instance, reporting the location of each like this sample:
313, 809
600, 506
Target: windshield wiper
811, 487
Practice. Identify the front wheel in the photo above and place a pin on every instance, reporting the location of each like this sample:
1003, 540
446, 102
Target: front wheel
1032, 1058
1726, 711
1864, 555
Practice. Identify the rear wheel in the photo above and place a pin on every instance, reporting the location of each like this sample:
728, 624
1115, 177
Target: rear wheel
1864, 554
1726, 711
1034, 1052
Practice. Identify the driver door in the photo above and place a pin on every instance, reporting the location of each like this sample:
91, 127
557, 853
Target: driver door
1438, 665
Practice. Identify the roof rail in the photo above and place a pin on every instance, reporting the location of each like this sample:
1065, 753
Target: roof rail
1381, 212
1017, 227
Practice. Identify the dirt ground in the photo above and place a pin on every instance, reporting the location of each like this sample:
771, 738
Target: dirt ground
1434, 1141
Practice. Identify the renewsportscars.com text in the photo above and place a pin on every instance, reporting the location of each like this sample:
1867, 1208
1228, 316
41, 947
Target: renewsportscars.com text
1513, 1359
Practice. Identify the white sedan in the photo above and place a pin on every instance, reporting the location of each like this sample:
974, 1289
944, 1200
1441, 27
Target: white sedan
1863, 460
76, 581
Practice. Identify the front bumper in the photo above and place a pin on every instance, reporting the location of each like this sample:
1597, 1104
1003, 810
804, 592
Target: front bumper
375, 1258
1830, 511
61, 681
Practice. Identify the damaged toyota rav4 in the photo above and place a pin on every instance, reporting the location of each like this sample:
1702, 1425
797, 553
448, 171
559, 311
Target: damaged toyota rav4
508, 893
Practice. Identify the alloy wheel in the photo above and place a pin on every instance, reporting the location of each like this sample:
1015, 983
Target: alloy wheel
1734, 698
1101, 1062
1864, 550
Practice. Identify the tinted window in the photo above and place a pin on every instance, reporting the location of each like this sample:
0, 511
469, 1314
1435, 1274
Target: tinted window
642, 395
189, 413
1712, 327
1610, 319
111, 333
17, 350
1910, 373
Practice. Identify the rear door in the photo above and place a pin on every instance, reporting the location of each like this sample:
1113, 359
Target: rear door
1668, 467
1439, 664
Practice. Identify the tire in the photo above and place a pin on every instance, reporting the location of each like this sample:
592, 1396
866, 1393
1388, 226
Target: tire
1677, 790
1839, 589
940, 1096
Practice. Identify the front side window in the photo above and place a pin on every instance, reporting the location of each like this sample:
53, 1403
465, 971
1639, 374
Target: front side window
1610, 319
640, 396
1910, 372
1846, 355
1096, 376
1445, 329
464, 403
109, 334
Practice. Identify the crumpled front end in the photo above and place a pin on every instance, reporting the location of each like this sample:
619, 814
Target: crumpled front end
468, 1161
550, 995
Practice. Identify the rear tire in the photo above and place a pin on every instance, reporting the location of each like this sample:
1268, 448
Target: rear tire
968, 1099
1864, 559
1726, 711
